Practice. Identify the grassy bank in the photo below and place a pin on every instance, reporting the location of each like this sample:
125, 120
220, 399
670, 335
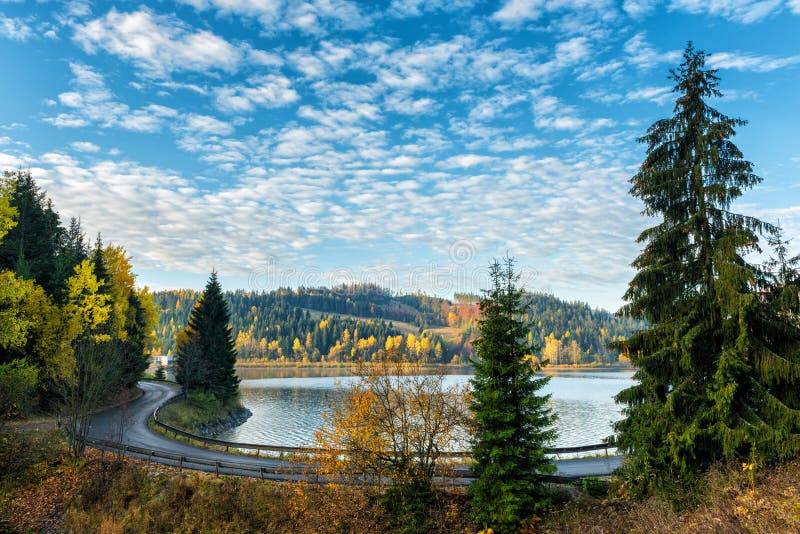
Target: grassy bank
197, 410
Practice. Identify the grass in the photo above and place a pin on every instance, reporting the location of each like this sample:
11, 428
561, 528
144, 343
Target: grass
196, 410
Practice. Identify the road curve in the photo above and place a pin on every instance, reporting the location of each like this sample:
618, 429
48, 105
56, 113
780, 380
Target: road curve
127, 424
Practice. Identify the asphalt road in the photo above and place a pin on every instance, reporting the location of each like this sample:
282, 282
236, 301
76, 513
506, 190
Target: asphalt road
127, 424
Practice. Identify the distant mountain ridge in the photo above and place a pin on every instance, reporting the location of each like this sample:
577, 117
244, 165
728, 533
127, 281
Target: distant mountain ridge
348, 323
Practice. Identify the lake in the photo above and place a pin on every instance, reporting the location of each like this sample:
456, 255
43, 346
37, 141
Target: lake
287, 403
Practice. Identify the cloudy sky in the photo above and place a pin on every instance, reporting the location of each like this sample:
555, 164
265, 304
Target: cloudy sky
406, 142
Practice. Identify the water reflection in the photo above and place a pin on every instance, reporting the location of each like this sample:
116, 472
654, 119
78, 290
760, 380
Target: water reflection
287, 403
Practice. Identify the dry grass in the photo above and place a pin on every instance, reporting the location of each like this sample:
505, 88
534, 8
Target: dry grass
733, 500
42, 491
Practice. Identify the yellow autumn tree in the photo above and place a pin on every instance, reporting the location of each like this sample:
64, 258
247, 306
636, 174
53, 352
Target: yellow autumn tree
31, 327
96, 364
393, 424
7, 215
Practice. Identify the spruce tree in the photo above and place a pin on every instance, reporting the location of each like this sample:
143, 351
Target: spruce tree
206, 358
32, 246
512, 423
73, 250
161, 373
717, 362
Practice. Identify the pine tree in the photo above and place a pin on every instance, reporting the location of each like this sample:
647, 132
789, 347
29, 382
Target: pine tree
512, 422
716, 361
206, 359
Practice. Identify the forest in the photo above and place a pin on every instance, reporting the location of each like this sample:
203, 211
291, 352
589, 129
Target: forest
360, 322
70, 311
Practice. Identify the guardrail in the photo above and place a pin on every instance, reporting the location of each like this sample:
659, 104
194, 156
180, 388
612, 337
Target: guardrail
217, 467
283, 472
310, 451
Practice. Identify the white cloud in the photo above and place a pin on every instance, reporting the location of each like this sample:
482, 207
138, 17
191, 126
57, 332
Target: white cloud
794, 6
197, 124
638, 8
516, 12
566, 54
642, 54
84, 146
15, 29
563, 122
465, 161
750, 62
416, 8
93, 103
309, 16
269, 91
552, 114
742, 11
408, 105
658, 95
593, 72
157, 44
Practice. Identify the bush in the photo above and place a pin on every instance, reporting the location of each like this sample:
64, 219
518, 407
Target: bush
17, 389
26, 456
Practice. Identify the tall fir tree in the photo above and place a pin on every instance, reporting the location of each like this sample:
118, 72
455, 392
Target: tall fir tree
73, 249
206, 356
717, 363
32, 246
512, 424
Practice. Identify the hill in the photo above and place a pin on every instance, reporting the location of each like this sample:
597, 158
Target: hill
362, 321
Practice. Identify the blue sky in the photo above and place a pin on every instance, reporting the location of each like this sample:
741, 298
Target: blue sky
404, 142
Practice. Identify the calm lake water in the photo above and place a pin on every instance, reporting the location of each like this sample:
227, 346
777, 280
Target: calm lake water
287, 404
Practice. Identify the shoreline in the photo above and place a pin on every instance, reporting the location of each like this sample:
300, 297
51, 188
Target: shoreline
266, 364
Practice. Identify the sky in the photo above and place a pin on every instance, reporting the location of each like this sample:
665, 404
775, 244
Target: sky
402, 142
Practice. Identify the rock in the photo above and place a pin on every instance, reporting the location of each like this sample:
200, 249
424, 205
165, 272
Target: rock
214, 428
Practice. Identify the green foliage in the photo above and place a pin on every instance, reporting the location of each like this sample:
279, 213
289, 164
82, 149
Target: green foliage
161, 373
512, 424
8, 214
410, 508
32, 327
51, 292
32, 246
17, 389
595, 487
198, 409
206, 358
718, 369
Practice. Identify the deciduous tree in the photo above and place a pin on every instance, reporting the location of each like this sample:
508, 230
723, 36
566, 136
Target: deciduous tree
393, 424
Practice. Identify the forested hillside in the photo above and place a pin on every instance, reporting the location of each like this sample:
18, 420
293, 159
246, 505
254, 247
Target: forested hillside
359, 322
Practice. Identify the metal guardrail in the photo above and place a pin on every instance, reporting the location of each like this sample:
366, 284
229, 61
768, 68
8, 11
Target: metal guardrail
283, 472
310, 451
193, 462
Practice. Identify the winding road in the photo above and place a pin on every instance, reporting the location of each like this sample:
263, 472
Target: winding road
127, 424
